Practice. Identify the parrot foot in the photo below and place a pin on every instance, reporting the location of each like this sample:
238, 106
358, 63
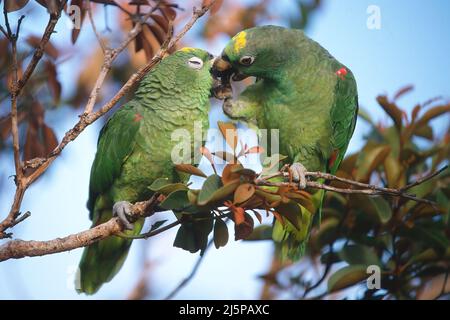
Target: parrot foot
122, 210
228, 108
298, 172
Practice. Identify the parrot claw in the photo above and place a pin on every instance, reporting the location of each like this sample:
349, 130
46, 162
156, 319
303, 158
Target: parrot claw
298, 172
122, 210
228, 108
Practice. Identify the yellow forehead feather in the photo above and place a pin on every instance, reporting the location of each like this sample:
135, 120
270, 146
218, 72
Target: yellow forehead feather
240, 40
187, 49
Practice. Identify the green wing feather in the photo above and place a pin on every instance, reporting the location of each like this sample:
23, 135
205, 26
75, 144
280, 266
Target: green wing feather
115, 144
343, 116
103, 259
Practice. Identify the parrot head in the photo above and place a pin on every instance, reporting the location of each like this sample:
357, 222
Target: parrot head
260, 52
194, 65
188, 69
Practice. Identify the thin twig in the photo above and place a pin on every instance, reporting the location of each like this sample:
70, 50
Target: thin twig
191, 275
424, 178
10, 220
94, 28
151, 233
369, 189
324, 275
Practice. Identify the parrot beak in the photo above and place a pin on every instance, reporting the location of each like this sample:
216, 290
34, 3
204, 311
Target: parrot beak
239, 76
221, 65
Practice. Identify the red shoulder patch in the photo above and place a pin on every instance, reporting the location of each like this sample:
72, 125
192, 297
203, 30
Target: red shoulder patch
137, 117
333, 158
341, 73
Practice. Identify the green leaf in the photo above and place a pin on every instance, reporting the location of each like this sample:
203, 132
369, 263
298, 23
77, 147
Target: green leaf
433, 237
262, 232
223, 192
359, 254
220, 233
211, 185
193, 235
165, 187
382, 208
291, 211
177, 200
428, 255
346, 277
327, 231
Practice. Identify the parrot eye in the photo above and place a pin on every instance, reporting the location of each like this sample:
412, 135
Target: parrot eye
195, 63
246, 60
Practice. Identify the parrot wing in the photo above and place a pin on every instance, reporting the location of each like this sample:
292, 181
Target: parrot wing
343, 116
116, 142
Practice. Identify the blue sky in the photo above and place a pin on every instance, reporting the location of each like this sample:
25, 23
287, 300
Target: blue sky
412, 47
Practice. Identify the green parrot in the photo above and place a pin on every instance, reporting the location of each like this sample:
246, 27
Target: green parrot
134, 149
304, 92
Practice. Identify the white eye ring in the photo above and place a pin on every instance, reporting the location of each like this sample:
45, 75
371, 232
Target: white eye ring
195, 63
246, 60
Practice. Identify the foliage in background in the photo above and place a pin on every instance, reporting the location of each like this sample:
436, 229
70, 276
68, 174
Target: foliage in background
409, 241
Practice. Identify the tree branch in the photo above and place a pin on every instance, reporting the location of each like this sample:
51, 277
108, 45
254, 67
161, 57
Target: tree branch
20, 248
88, 117
368, 189
16, 249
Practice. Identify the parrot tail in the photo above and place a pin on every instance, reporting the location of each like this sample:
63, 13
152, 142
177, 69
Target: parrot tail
102, 260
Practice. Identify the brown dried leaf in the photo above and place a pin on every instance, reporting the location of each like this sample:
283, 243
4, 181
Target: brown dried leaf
188, 168
50, 140
158, 32
392, 110
168, 12
258, 216
256, 149
139, 2
228, 175
243, 193
207, 154
229, 132
403, 91
161, 21
215, 7
433, 113
244, 229
53, 83
14, 5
